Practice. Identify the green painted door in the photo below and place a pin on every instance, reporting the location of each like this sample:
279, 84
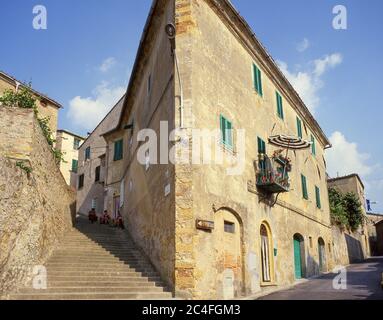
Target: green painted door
297, 259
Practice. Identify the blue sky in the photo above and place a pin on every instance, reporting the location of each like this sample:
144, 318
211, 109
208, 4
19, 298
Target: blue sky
84, 60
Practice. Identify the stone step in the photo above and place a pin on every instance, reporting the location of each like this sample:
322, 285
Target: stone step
76, 264
100, 274
132, 289
96, 269
111, 259
92, 278
95, 296
94, 253
108, 283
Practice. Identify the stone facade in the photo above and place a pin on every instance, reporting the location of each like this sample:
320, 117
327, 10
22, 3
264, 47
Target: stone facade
46, 106
139, 193
37, 207
215, 53
379, 237
91, 194
68, 143
372, 220
351, 246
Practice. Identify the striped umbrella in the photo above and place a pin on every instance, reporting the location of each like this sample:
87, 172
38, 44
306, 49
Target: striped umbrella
289, 142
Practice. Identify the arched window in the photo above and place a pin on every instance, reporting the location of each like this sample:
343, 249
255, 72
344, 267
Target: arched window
266, 254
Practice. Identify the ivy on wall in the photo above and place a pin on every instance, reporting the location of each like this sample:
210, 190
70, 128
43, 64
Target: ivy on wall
24, 98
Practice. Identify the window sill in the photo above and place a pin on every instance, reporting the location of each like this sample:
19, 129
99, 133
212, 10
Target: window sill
268, 284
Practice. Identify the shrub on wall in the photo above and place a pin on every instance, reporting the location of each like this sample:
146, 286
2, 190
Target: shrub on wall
346, 210
24, 98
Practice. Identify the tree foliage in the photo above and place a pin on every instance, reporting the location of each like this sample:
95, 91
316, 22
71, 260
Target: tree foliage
346, 210
24, 98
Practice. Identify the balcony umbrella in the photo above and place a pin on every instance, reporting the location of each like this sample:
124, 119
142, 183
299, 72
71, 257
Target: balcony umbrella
289, 143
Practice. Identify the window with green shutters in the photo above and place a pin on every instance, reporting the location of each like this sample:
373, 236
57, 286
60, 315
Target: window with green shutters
74, 166
118, 150
317, 196
257, 79
261, 150
299, 128
304, 187
313, 146
226, 132
280, 106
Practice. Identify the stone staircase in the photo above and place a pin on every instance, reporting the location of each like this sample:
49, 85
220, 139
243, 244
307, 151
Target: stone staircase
97, 262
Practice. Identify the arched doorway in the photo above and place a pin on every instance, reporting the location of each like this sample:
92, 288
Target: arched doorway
322, 255
228, 248
266, 254
299, 256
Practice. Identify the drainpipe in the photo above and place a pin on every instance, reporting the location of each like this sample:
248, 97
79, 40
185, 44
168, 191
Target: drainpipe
181, 91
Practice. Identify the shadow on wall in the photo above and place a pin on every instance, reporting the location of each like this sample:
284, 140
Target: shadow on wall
354, 249
373, 246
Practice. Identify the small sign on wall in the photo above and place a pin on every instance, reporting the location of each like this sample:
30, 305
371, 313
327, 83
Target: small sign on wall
204, 225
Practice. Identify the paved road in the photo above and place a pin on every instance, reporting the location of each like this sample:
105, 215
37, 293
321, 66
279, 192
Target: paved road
363, 282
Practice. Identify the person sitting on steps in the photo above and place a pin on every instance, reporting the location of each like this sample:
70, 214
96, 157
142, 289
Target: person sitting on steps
105, 219
92, 216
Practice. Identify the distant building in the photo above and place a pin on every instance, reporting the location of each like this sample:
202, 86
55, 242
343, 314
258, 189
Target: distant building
373, 220
379, 237
357, 245
69, 143
47, 107
91, 165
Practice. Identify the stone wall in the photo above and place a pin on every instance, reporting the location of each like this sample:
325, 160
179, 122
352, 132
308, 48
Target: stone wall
37, 208
45, 108
148, 199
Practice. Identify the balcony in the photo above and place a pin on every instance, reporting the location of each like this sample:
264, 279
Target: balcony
273, 174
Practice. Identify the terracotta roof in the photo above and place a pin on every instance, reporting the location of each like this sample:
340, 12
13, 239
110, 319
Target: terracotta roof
14, 80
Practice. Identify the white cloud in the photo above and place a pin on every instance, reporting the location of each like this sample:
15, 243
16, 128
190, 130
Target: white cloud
107, 64
86, 113
329, 61
303, 45
344, 158
308, 82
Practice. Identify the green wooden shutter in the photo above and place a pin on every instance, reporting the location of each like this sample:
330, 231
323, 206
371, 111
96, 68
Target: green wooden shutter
317, 196
304, 187
118, 150
74, 166
257, 77
226, 132
229, 134
313, 146
279, 106
299, 127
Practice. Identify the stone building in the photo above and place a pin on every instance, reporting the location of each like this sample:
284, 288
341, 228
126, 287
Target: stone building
372, 220
379, 234
211, 234
69, 143
351, 246
91, 165
47, 107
